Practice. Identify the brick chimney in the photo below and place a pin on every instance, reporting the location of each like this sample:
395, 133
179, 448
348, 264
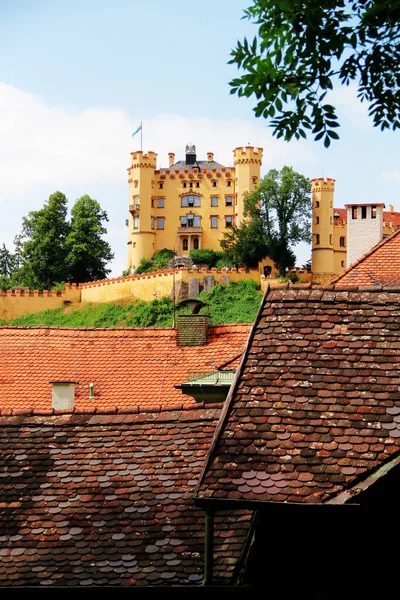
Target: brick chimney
192, 330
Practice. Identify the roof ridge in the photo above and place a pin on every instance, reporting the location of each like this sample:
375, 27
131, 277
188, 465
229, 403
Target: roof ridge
374, 249
138, 410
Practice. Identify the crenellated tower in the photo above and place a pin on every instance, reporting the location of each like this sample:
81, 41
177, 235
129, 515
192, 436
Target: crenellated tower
247, 163
141, 237
323, 254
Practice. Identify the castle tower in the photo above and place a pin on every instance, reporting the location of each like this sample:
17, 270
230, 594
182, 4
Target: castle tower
322, 257
364, 229
141, 234
247, 163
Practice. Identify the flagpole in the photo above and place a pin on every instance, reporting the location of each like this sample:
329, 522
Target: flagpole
141, 133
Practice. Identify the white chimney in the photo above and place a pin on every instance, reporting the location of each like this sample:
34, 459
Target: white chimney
63, 395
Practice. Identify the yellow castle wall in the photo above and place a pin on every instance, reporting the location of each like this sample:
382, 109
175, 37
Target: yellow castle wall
17, 303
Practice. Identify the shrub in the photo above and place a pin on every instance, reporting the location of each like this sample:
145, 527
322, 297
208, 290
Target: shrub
161, 257
145, 266
203, 256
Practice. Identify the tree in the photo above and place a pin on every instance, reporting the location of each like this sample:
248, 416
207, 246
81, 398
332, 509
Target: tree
245, 245
303, 47
6, 262
45, 232
86, 252
280, 208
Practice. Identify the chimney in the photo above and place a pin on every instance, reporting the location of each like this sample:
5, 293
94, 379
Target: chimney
171, 157
391, 209
193, 329
210, 156
63, 395
190, 154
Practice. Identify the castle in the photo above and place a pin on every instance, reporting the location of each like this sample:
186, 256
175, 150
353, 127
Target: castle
340, 236
187, 205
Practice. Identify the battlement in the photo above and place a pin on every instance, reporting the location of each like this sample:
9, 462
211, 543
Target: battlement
322, 184
140, 159
247, 154
20, 301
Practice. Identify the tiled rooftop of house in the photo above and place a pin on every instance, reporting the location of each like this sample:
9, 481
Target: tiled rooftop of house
316, 405
105, 500
379, 266
130, 368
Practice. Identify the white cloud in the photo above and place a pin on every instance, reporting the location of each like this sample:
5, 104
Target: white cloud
44, 149
344, 98
392, 175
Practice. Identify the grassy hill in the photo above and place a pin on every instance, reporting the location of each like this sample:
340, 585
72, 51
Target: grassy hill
236, 303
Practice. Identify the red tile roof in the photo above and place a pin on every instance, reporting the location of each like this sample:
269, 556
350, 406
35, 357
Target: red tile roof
130, 368
379, 266
317, 399
105, 500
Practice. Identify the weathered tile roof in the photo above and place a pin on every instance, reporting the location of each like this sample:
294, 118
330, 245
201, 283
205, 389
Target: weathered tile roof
379, 266
105, 500
136, 368
316, 404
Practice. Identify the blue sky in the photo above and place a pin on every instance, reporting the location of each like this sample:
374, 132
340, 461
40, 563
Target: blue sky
78, 77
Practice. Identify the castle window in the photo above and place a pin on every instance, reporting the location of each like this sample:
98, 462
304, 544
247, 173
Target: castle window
214, 183
363, 212
254, 180
197, 184
342, 263
184, 184
354, 212
183, 221
135, 222
317, 220
228, 220
152, 222
214, 222
195, 243
316, 204
136, 182
191, 184
330, 239
160, 222
190, 201
185, 244
152, 203
317, 239
161, 185
373, 212
160, 202
342, 242
229, 183
228, 200
214, 200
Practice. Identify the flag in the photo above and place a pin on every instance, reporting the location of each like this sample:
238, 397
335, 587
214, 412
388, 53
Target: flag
137, 130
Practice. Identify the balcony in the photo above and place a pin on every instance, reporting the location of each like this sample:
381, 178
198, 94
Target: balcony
188, 230
134, 208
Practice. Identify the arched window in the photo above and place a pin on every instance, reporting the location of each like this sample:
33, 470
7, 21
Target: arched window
185, 244
196, 243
